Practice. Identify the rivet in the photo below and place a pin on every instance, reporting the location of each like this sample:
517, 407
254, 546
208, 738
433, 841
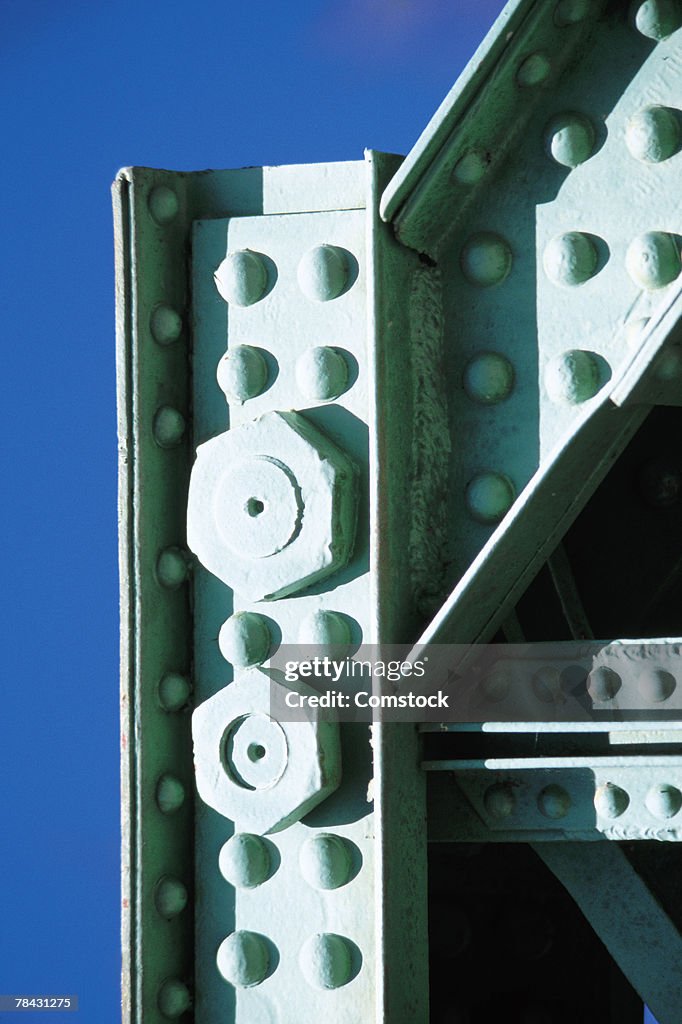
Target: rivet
324, 627
655, 685
173, 999
486, 259
488, 378
241, 278
653, 134
170, 897
554, 802
323, 272
244, 639
534, 70
499, 800
664, 801
170, 794
657, 19
660, 482
603, 683
325, 960
165, 325
172, 568
570, 12
489, 496
242, 373
325, 862
572, 377
570, 139
174, 691
495, 686
546, 684
634, 331
163, 204
244, 861
169, 427
321, 373
570, 259
611, 801
243, 959
653, 260
470, 168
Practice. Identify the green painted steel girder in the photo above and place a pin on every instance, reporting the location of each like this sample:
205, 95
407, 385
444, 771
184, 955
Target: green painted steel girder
430, 401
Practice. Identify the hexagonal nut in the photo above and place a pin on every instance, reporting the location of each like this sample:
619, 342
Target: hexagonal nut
261, 773
272, 506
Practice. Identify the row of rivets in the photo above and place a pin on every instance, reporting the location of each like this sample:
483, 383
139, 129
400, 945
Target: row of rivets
325, 960
652, 135
172, 568
325, 861
550, 684
652, 260
321, 373
245, 639
323, 274
611, 801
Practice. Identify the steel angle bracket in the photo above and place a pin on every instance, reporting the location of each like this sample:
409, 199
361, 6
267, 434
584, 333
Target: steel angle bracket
267, 324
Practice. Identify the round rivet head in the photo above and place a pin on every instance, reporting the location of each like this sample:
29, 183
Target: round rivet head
489, 496
323, 272
653, 260
495, 685
653, 134
324, 627
570, 139
488, 378
170, 794
534, 70
325, 960
243, 959
325, 862
572, 377
173, 999
242, 373
486, 259
163, 204
570, 259
546, 684
657, 19
603, 683
245, 639
554, 802
169, 427
470, 168
611, 801
499, 800
321, 373
655, 685
172, 568
241, 278
166, 325
174, 691
170, 897
664, 801
570, 12
244, 861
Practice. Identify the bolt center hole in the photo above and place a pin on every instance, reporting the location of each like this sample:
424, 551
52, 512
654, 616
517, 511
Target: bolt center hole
255, 752
254, 507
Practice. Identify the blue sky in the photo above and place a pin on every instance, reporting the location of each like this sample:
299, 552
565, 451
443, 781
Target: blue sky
89, 86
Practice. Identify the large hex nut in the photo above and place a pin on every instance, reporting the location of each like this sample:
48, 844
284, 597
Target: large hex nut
272, 506
261, 773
